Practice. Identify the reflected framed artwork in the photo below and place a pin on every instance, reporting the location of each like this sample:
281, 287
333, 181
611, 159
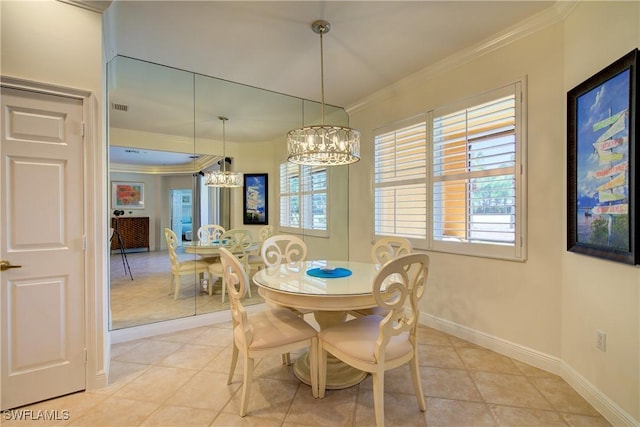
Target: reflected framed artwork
127, 195
601, 163
256, 199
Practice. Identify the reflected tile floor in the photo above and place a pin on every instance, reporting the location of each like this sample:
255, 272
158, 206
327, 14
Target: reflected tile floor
179, 379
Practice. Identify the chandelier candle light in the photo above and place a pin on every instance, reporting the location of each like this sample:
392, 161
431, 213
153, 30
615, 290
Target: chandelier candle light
323, 144
223, 178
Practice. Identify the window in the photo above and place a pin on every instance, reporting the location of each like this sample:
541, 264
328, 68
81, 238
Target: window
303, 199
452, 181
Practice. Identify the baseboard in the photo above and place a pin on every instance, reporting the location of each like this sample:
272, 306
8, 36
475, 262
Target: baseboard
499, 345
175, 325
602, 403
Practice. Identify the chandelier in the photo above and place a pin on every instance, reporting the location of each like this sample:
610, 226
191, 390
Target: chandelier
323, 144
223, 177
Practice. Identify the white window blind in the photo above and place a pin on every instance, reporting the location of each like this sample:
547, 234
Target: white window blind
474, 155
454, 182
400, 182
303, 198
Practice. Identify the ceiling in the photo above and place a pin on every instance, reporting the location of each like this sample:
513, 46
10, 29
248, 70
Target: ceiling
269, 44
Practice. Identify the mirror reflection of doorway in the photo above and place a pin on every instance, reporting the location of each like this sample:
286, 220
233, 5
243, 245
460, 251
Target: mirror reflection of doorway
181, 212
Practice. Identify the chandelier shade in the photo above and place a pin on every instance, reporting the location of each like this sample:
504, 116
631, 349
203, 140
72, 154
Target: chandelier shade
223, 178
323, 144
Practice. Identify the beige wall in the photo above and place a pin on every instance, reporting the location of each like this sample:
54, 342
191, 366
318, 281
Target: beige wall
52, 42
518, 302
58, 44
551, 305
599, 294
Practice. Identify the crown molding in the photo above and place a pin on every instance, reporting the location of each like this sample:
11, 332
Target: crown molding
202, 163
94, 6
557, 13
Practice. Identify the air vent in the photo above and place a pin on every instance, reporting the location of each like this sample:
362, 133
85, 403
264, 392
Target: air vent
120, 107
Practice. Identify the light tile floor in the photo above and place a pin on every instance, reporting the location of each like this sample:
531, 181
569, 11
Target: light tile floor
179, 379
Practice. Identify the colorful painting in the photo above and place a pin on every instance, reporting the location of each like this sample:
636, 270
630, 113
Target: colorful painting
256, 199
127, 195
601, 184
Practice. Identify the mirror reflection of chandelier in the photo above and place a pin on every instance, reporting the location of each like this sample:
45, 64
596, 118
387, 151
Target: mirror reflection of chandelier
323, 144
223, 178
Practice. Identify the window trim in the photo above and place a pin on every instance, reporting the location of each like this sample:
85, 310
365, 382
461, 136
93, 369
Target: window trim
515, 252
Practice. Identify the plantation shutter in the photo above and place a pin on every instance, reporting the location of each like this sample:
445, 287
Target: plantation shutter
400, 172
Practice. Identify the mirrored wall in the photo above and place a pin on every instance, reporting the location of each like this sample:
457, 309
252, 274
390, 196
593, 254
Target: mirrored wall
164, 134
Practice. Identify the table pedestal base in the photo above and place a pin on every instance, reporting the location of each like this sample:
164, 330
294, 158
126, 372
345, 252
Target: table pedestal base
339, 374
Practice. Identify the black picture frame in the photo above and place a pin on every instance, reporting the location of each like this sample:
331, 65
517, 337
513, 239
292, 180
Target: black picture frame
255, 206
601, 163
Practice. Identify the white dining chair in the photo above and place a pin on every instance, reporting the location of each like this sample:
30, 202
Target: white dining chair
209, 233
181, 268
255, 258
238, 241
283, 248
375, 343
384, 250
387, 248
271, 331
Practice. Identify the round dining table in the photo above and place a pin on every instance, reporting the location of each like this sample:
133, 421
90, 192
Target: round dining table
330, 297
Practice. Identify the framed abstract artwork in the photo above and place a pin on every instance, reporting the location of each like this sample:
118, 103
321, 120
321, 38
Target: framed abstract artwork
256, 199
127, 195
601, 163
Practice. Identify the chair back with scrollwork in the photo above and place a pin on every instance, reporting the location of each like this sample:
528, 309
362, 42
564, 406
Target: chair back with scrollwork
398, 288
283, 248
209, 233
387, 248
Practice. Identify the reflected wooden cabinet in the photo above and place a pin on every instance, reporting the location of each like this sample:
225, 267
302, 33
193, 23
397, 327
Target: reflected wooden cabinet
134, 231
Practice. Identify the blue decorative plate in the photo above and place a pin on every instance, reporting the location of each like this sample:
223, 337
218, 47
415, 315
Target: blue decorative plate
328, 272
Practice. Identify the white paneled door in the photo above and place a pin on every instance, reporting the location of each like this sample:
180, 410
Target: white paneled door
42, 302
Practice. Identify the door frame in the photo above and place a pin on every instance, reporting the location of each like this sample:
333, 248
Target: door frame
96, 225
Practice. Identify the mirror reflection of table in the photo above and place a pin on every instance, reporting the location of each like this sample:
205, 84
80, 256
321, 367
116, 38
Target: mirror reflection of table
330, 299
210, 249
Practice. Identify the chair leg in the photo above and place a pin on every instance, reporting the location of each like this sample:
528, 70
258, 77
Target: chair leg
417, 385
234, 362
313, 366
286, 359
210, 276
246, 386
378, 397
224, 288
172, 283
177, 286
322, 369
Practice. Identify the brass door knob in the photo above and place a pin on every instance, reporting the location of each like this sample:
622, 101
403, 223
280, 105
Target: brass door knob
5, 265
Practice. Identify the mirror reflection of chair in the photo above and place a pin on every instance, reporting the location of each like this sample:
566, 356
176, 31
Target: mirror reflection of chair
377, 343
180, 268
209, 233
267, 332
255, 259
238, 241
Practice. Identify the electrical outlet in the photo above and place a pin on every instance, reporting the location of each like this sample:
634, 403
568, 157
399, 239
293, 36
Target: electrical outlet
601, 340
